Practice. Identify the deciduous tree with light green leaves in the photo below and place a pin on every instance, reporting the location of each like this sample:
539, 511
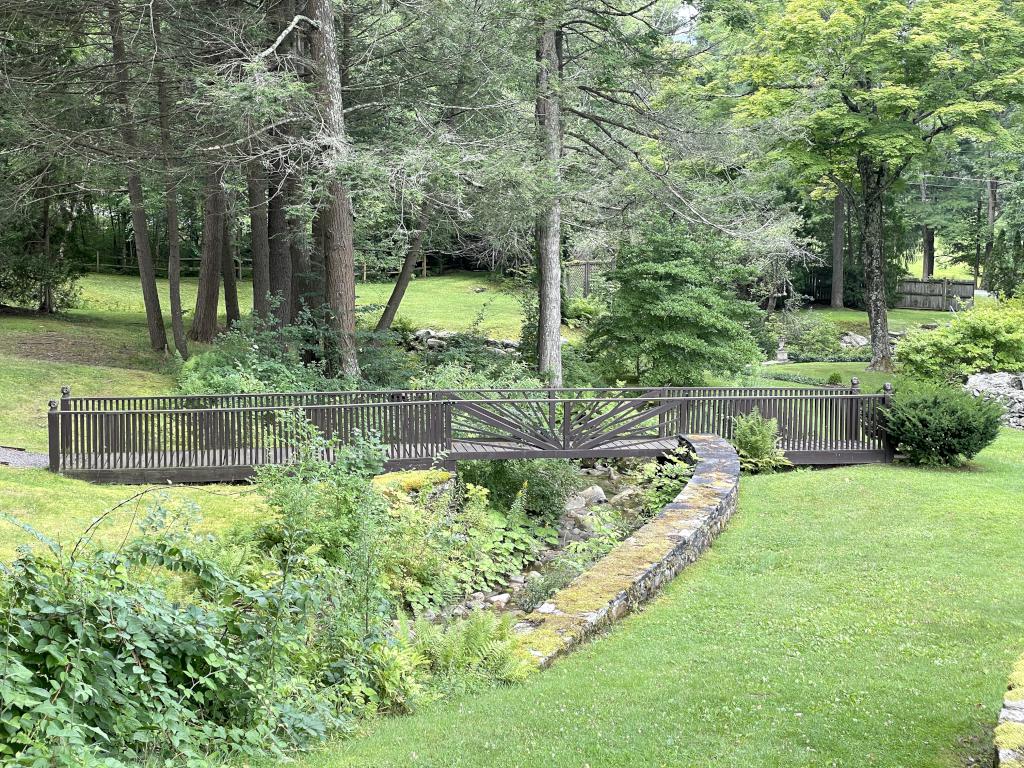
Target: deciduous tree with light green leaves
872, 84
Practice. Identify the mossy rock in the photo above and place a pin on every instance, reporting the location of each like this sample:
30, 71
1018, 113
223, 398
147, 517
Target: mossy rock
1010, 736
1017, 676
413, 480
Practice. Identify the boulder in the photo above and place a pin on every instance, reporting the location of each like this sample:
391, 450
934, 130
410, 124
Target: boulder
1007, 388
626, 498
593, 495
435, 344
500, 601
850, 340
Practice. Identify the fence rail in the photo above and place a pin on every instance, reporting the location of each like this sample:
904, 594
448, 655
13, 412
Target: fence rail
208, 438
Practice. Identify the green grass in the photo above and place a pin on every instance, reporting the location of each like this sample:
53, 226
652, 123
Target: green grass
863, 616
944, 268
899, 319
62, 509
870, 381
27, 385
449, 302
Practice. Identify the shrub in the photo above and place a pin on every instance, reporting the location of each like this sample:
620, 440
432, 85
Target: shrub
581, 312
155, 653
835, 379
254, 356
757, 443
988, 338
661, 481
941, 425
810, 337
25, 278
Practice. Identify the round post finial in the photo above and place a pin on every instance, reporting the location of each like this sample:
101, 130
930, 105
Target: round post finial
54, 405
887, 386
65, 391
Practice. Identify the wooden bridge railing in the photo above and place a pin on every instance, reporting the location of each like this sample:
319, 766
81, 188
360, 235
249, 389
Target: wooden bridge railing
208, 438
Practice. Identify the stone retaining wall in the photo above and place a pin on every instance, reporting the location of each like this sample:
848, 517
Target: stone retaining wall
1010, 731
636, 569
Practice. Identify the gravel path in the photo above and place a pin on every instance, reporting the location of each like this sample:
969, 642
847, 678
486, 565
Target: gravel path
14, 457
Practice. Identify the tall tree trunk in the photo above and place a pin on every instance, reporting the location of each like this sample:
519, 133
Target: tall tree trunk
147, 273
204, 322
872, 179
46, 292
838, 224
549, 220
339, 257
280, 250
257, 190
298, 247
408, 267
977, 244
927, 241
170, 201
990, 232
227, 267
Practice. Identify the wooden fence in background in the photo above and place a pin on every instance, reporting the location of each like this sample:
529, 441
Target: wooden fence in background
940, 295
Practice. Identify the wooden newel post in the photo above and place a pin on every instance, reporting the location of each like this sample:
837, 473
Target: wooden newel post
53, 430
65, 419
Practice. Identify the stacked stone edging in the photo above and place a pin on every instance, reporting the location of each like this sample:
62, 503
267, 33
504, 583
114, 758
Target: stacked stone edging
1010, 731
636, 569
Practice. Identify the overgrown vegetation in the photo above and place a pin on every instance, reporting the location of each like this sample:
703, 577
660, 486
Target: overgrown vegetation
181, 648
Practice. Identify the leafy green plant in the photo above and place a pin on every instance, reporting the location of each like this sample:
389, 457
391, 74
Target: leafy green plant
468, 654
987, 338
835, 379
581, 312
941, 425
661, 481
155, 653
757, 443
545, 583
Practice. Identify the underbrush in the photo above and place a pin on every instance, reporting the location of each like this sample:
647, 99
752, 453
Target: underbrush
181, 648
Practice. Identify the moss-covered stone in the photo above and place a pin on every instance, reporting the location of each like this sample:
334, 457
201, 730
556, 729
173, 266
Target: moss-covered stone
412, 480
1010, 736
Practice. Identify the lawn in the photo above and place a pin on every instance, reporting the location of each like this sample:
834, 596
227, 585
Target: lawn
863, 616
27, 385
450, 302
62, 508
109, 325
856, 321
870, 381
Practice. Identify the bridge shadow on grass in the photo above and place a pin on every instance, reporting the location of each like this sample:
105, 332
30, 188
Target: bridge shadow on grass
861, 616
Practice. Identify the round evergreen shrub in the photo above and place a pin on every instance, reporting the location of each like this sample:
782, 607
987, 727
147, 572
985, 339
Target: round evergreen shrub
937, 425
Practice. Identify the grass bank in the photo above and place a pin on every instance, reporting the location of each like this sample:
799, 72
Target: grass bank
863, 616
62, 508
